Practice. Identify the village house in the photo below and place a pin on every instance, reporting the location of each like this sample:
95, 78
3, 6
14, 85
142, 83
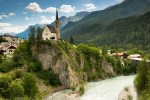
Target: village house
50, 32
8, 47
134, 56
120, 54
9, 50
11, 39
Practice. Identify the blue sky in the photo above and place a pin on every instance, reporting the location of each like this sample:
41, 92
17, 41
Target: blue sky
17, 15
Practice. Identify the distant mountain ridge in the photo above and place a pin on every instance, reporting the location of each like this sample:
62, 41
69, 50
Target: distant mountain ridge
25, 34
63, 20
90, 24
78, 16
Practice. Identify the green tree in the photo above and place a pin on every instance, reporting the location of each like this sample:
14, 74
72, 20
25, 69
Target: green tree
32, 34
142, 79
29, 84
4, 82
71, 40
39, 34
15, 90
39, 37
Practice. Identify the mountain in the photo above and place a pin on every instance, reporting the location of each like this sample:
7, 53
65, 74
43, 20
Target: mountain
78, 16
63, 20
68, 25
25, 34
128, 33
93, 23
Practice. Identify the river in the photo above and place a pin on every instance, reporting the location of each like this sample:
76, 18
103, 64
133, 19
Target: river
108, 89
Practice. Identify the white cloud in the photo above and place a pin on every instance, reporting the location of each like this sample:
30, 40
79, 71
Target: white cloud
11, 14
45, 20
50, 9
27, 18
119, 1
8, 28
24, 13
67, 8
5, 24
90, 7
34, 7
3, 16
7, 15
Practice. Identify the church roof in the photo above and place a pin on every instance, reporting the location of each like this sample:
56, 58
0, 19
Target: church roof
51, 28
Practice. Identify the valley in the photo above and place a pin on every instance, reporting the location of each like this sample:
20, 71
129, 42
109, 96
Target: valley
87, 50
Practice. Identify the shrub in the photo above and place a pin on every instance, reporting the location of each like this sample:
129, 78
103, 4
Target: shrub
81, 89
17, 59
89, 51
50, 77
73, 88
34, 65
29, 84
18, 74
15, 90
6, 66
4, 82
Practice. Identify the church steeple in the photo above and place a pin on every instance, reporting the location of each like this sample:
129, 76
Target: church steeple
57, 14
57, 25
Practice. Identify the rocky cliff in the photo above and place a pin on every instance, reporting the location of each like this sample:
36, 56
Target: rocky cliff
71, 64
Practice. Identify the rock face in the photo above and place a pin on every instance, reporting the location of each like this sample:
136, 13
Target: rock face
52, 57
108, 68
63, 61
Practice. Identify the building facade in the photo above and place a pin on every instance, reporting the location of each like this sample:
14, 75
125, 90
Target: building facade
50, 32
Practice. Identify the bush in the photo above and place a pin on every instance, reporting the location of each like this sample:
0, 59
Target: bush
34, 65
89, 51
18, 74
17, 59
50, 77
15, 90
73, 88
4, 82
29, 84
6, 66
81, 89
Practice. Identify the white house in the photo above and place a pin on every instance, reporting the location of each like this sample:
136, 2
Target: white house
9, 50
50, 32
134, 56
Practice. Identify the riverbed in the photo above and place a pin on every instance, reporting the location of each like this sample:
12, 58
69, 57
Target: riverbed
108, 89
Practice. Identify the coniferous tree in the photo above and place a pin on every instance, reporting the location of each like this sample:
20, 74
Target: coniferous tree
71, 40
32, 34
142, 79
39, 36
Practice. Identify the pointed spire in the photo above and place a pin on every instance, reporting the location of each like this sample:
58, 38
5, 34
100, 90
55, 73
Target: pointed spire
56, 14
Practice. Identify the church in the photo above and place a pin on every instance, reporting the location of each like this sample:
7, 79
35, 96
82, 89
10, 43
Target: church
50, 32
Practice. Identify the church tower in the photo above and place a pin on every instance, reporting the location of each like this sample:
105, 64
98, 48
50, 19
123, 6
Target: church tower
57, 25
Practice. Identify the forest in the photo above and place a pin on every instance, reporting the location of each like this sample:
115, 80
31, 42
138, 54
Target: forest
130, 32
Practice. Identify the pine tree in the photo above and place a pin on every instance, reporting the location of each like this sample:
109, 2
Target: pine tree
39, 36
71, 40
142, 79
32, 34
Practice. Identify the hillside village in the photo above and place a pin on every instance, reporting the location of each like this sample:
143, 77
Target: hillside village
8, 44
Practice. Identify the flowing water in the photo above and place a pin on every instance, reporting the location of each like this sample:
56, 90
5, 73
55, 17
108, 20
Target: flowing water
108, 89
